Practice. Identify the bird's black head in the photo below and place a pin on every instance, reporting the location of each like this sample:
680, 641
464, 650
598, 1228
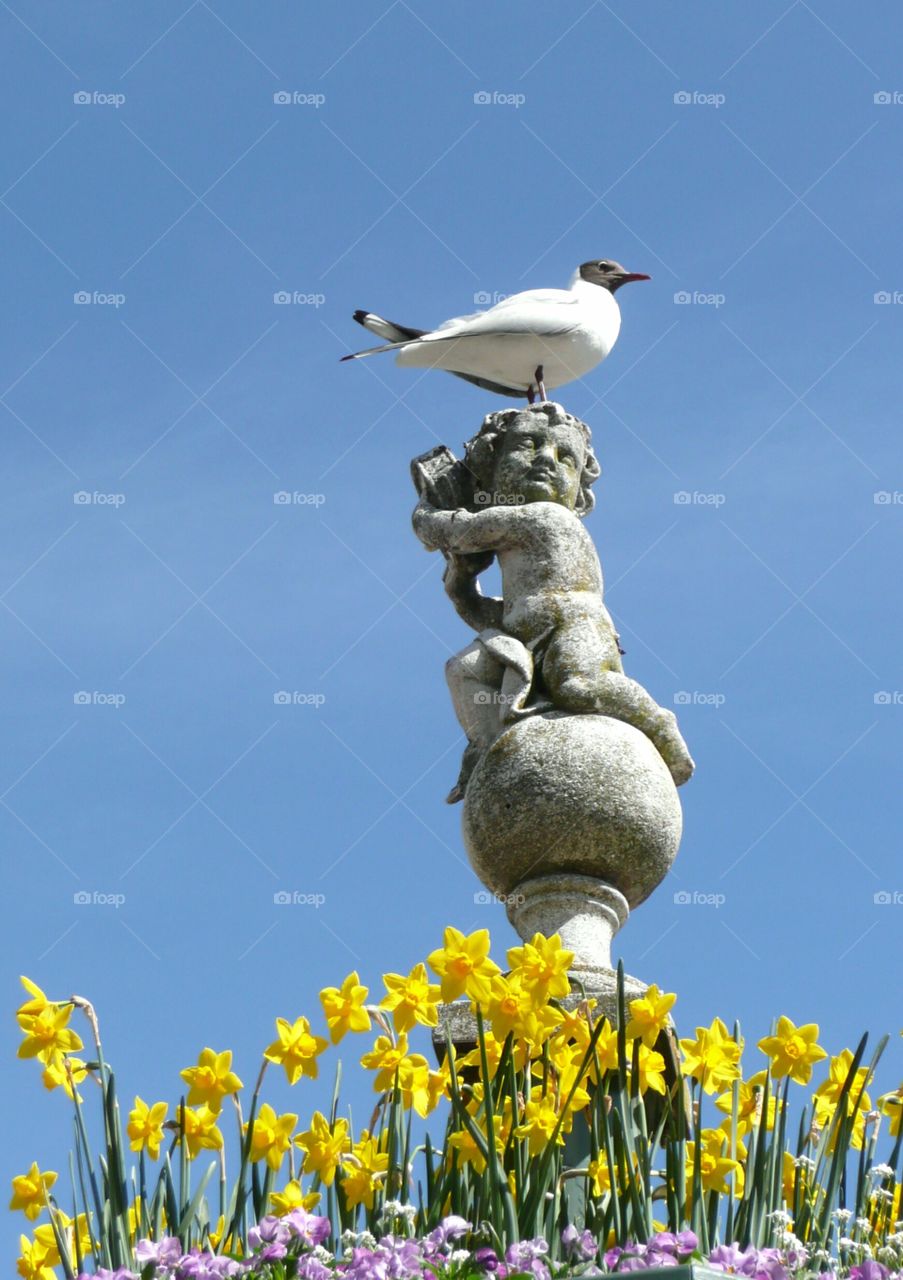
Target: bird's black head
608, 274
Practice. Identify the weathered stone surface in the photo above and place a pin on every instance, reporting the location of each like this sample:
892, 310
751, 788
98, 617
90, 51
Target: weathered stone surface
585, 795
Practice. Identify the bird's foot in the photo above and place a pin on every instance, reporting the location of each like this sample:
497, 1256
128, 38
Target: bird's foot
540, 385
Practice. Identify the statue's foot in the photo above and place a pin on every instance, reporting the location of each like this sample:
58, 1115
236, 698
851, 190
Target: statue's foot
472, 754
672, 748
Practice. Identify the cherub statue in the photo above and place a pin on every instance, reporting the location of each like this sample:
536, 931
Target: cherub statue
549, 642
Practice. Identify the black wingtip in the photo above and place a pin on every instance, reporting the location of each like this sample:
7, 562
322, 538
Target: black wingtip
360, 317
342, 359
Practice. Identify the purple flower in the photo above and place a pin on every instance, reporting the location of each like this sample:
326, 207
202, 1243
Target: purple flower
579, 1246
450, 1228
733, 1259
869, 1270
308, 1227
121, 1273
163, 1253
311, 1268
486, 1259
270, 1231
205, 1266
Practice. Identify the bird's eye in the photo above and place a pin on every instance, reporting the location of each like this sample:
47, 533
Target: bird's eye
604, 266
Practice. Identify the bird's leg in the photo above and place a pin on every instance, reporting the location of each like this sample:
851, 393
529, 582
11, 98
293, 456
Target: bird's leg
531, 395
539, 382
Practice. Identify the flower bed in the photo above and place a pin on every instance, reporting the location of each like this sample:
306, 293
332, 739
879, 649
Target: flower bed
552, 1159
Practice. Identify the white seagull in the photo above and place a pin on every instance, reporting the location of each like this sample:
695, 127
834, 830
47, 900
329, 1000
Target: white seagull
523, 346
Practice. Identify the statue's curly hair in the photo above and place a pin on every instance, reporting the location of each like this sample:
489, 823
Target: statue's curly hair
480, 450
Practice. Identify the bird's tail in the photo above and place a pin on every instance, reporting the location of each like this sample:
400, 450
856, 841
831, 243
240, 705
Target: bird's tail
397, 334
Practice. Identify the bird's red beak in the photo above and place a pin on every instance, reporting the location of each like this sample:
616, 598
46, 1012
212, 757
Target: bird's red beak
634, 275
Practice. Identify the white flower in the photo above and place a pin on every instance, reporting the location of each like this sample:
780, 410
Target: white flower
882, 1171
322, 1255
459, 1255
843, 1215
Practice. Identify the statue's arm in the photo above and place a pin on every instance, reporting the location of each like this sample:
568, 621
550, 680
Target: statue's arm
462, 531
461, 585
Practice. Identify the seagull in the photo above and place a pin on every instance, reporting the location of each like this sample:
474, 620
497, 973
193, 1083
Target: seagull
523, 346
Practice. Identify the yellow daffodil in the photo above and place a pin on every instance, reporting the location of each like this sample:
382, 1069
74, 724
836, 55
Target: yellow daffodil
793, 1050
749, 1105
30, 1191
651, 1068
467, 1149
363, 1169
344, 1008
715, 1168
412, 999
599, 1176
32, 1262
415, 1086
540, 1121
56, 1075
201, 1132
385, 1058
44, 1236
47, 1034
292, 1196
463, 966
215, 1236
649, 1016
891, 1105
145, 1127
541, 967
297, 1049
34, 1005
212, 1079
828, 1094
324, 1147
271, 1136
713, 1057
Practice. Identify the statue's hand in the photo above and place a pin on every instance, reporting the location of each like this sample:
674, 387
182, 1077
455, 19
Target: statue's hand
461, 570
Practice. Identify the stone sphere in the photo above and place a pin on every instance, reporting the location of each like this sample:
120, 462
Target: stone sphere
581, 794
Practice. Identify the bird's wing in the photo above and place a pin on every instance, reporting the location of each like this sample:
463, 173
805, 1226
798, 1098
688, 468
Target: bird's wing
539, 311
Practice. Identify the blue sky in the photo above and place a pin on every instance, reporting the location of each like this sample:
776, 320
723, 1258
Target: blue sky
739, 155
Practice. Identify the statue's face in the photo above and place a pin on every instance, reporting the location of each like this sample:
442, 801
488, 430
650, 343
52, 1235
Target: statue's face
540, 461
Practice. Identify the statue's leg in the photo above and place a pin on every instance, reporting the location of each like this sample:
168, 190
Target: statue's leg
474, 680
577, 681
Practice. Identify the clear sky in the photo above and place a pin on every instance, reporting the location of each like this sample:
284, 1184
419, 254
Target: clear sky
739, 155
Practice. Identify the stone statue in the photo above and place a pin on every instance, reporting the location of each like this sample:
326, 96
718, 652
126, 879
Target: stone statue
549, 642
570, 813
